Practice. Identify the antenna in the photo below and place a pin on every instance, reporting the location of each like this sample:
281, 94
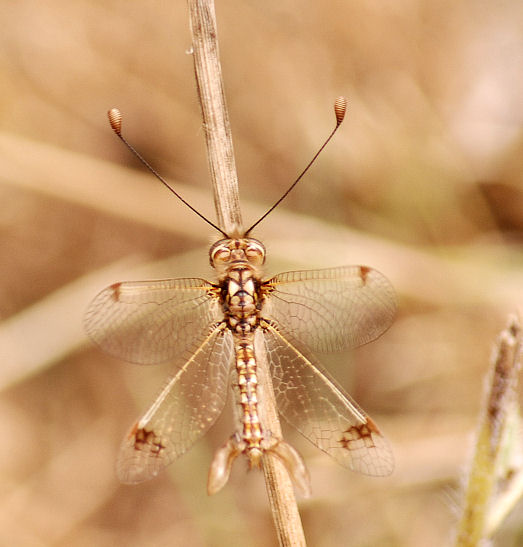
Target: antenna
340, 107
115, 119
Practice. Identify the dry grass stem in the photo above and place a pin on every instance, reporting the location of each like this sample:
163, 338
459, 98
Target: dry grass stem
277, 480
215, 117
497, 446
226, 194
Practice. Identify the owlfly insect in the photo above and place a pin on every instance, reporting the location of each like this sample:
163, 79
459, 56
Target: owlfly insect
214, 333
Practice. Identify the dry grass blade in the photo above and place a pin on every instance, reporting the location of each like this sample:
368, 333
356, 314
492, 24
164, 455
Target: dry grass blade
417, 273
26, 503
53, 326
497, 442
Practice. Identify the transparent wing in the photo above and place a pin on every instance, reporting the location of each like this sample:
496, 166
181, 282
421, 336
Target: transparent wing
319, 409
331, 309
185, 409
150, 322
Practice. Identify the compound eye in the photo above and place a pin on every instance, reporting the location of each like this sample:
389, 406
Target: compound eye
221, 255
255, 254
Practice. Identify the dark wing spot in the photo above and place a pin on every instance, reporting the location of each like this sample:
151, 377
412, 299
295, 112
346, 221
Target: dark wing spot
146, 441
115, 288
357, 434
364, 272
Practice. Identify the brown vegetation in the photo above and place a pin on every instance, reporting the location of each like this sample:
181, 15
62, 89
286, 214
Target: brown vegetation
423, 182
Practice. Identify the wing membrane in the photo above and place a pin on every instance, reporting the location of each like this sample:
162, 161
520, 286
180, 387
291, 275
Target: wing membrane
331, 309
319, 409
185, 409
149, 322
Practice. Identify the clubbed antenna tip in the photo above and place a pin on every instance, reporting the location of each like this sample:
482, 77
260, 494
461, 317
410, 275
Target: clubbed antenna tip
340, 107
115, 119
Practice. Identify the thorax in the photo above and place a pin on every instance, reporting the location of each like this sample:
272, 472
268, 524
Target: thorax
237, 263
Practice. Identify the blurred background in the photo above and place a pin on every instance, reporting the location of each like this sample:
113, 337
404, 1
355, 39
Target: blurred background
423, 182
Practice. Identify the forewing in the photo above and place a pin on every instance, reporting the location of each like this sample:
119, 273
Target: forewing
185, 409
319, 409
331, 309
150, 322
